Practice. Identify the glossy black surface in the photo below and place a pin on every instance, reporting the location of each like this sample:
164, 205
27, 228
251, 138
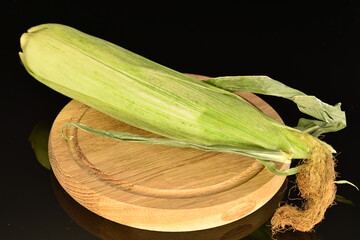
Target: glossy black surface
314, 49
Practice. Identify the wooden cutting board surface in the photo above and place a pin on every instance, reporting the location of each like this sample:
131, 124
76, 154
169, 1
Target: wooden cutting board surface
156, 187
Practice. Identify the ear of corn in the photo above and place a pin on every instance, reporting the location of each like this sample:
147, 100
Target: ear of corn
191, 113
150, 96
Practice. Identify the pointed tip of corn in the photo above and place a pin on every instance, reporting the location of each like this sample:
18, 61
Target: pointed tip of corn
23, 40
25, 36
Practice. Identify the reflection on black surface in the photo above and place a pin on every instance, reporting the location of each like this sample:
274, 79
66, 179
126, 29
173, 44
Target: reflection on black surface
39, 138
108, 230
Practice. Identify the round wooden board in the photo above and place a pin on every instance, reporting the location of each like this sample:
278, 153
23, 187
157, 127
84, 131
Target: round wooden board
156, 187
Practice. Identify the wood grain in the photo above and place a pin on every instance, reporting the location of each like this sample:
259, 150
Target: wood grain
156, 187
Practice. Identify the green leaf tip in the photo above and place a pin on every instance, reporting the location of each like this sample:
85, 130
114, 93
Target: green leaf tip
346, 182
328, 118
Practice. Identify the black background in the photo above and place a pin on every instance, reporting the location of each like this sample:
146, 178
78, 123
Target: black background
313, 48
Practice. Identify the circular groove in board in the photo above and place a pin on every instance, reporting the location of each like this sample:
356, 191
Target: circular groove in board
156, 187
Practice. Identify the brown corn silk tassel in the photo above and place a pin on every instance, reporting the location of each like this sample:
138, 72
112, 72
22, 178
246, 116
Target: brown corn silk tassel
315, 182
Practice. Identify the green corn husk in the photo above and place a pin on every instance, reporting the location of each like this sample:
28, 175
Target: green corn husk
152, 97
191, 113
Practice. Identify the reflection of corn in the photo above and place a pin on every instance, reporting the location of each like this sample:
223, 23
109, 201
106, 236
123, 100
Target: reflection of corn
150, 96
